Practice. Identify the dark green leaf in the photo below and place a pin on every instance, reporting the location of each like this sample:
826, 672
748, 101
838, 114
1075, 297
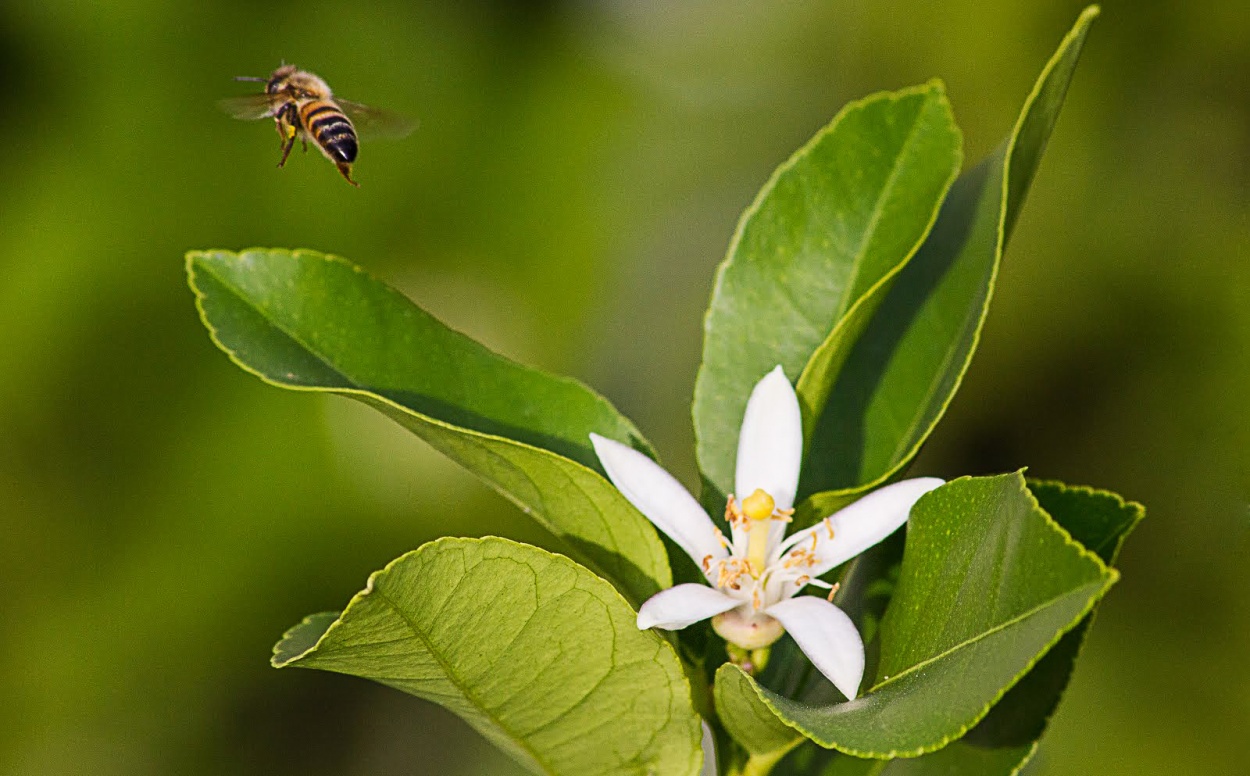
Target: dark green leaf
1002, 742
902, 372
535, 652
308, 321
989, 583
823, 238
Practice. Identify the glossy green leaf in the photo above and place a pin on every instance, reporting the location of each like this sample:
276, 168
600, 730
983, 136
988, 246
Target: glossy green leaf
1100, 521
1004, 741
904, 369
989, 583
307, 321
825, 235
539, 655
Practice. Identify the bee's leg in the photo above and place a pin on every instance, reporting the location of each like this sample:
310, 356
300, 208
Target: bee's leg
345, 168
287, 146
287, 120
304, 140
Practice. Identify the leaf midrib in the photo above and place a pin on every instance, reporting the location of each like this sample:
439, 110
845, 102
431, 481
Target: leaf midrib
538, 511
878, 208
237, 294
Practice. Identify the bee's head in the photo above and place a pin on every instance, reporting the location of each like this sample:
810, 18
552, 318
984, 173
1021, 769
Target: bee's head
278, 79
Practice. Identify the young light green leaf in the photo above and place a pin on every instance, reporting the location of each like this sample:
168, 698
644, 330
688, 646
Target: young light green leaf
898, 377
989, 583
823, 237
751, 723
307, 321
540, 656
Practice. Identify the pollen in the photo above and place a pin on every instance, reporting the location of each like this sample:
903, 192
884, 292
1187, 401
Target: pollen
731, 570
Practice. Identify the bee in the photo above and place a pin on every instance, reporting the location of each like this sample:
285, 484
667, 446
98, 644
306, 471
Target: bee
303, 108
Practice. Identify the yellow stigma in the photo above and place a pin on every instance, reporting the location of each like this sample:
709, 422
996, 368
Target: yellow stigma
759, 505
759, 508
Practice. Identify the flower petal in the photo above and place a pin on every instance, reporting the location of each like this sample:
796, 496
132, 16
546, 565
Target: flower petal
862, 524
770, 444
828, 638
683, 605
661, 498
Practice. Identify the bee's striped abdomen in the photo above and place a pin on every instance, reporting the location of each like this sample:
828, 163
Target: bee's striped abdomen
330, 129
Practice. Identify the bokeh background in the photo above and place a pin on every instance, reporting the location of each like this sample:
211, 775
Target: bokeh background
579, 169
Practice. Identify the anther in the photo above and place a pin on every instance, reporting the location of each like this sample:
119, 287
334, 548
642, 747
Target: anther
833, 591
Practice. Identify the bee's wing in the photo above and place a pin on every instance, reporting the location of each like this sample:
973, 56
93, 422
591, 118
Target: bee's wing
376, 123
249, 107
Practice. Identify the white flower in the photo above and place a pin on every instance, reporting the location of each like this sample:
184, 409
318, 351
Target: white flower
755, 575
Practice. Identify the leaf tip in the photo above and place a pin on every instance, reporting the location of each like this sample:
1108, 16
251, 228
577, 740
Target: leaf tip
301, 639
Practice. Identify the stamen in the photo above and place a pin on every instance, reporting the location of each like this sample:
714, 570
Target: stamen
833, 589
828, 526
707, 564
733, 515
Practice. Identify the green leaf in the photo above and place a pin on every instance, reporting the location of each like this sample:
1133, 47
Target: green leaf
1100, 521
535, 652
820, 243
958, 759
1004, 741
904, 369
307, 321
989, 583
748, 720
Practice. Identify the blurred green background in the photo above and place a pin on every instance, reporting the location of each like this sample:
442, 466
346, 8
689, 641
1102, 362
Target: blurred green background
577, 175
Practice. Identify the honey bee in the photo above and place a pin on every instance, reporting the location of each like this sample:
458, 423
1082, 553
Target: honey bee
303, 108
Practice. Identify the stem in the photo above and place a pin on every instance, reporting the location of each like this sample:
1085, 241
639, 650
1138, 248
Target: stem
761, 764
